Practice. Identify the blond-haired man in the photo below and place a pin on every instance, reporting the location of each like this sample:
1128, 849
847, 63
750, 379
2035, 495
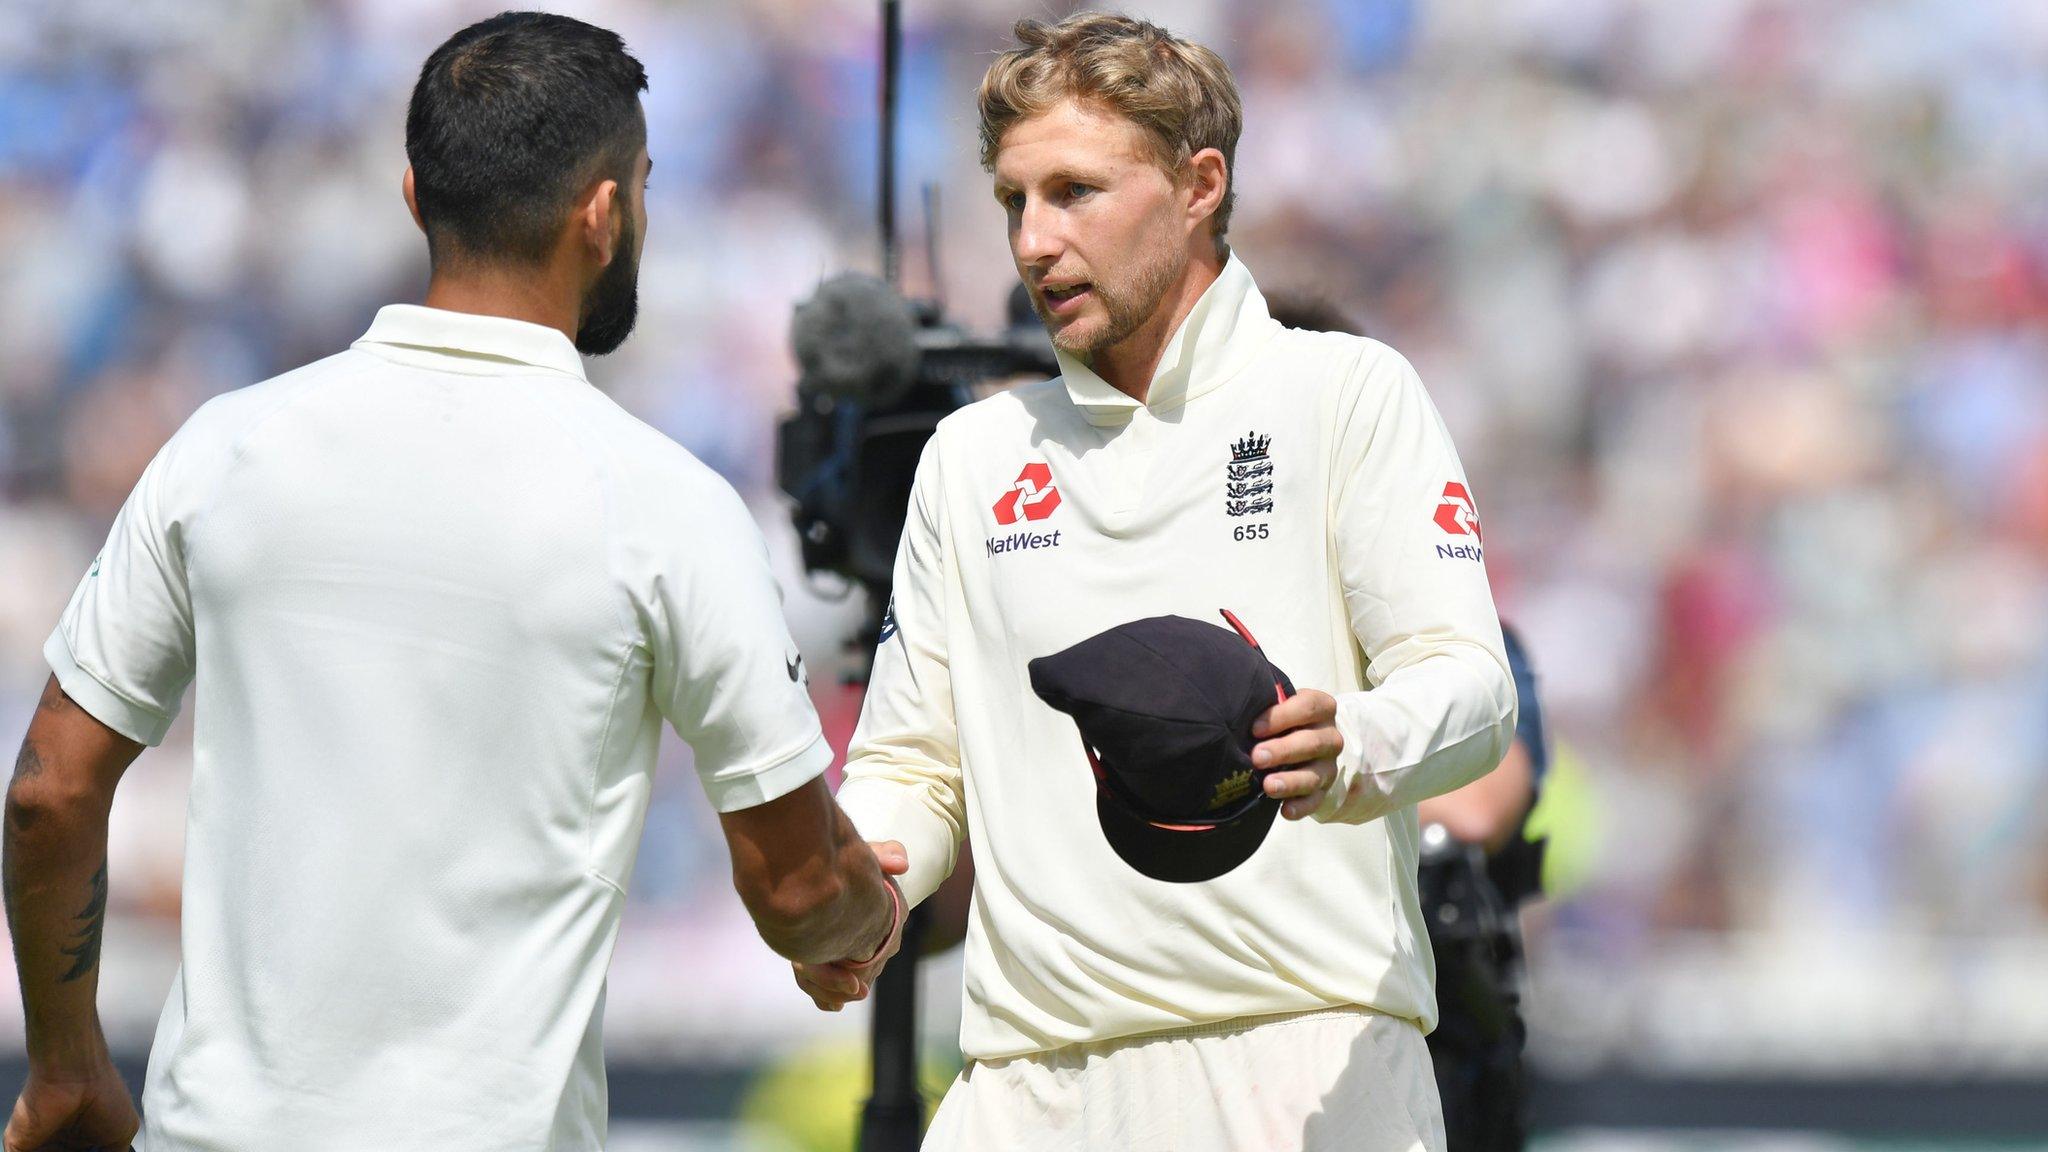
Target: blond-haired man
1192, 456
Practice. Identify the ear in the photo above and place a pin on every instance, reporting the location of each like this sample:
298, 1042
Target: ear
599, 222
1208, 180
412, 200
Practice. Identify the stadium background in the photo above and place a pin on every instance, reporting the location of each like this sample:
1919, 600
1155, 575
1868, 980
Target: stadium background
1735, 308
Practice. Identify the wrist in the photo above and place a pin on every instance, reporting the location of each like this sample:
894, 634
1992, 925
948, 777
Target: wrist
69, 1054
896, 913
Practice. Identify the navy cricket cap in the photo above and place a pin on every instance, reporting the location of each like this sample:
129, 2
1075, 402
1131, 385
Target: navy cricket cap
1165, 707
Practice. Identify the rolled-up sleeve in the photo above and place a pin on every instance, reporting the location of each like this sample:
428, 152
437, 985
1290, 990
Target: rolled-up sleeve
1440, 711
903, 778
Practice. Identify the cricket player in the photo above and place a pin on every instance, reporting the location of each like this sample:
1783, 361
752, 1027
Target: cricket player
437, 595
1193, 455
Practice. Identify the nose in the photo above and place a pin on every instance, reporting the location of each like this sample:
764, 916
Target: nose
1037, 237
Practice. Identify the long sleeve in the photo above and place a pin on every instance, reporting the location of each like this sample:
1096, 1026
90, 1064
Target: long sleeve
1441, 709
903, 778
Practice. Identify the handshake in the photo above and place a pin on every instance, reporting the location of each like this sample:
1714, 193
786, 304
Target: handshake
835, 984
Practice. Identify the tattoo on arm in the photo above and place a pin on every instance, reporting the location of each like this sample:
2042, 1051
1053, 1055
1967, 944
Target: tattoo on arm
83, 759
85, 952
28, 765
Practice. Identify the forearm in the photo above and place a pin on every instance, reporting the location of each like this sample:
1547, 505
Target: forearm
54, 874
1435, 725
55, 879
842, 909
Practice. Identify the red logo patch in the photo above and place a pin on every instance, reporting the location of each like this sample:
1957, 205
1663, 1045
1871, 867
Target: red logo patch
1032, 498
1457, 515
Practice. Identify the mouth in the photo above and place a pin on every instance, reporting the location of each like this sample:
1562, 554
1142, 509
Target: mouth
1065, 299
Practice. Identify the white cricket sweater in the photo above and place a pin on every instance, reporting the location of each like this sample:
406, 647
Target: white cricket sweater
1302, 480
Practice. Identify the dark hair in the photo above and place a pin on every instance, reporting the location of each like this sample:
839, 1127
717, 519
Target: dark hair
510, 119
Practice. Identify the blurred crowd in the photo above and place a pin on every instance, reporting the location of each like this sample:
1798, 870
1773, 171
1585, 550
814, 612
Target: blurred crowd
1734, 307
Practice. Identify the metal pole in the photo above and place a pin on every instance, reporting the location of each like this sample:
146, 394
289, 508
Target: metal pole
892, 63
893, 1119
931, 245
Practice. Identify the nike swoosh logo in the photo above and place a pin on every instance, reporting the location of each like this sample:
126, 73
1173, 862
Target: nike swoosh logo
795, 666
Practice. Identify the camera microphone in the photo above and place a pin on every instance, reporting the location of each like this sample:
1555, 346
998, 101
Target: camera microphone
856, 339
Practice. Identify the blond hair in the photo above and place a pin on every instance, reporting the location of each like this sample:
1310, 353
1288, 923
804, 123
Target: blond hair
1181, 94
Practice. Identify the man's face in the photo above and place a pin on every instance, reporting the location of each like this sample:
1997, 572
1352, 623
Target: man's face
613, 302
1097, 227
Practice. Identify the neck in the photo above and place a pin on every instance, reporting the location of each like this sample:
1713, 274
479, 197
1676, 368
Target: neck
1129, 365
534, 294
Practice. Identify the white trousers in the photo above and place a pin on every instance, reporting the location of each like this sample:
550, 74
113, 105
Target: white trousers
1316, 1082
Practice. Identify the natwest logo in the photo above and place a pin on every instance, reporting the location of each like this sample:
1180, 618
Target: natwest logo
1456, 514
1032, 498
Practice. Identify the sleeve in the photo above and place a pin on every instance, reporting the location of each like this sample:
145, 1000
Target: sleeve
725, 670
124, 647
903, 779
1441, 709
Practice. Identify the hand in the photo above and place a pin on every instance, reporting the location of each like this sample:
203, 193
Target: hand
1301, 730
66, 1113
835, 985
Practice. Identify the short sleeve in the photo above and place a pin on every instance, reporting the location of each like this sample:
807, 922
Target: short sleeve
124, 647
726, 673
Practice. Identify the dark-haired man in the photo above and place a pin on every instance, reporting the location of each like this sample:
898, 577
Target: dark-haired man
437, 594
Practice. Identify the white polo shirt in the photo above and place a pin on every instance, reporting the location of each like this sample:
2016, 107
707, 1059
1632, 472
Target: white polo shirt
1302, 480
438, 594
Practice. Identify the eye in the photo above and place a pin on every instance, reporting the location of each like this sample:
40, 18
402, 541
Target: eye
1076, 190
1014, 201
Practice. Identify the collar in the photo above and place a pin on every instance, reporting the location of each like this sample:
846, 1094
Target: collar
1226, 327
486, 345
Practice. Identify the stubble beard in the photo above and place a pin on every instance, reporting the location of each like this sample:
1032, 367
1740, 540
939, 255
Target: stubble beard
1126, 309
613, 303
